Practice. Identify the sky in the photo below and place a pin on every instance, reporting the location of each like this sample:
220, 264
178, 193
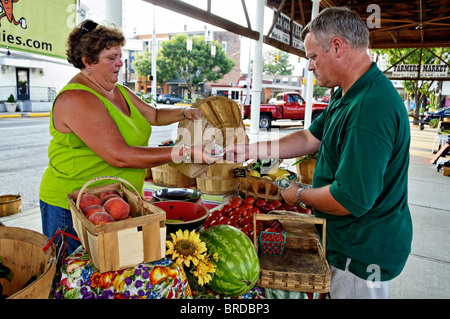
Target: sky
137, 19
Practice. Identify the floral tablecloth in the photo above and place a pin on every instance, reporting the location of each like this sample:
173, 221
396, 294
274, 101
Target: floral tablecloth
163, 279
79, 279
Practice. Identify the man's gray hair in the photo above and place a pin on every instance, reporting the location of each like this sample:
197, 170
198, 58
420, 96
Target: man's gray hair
338, 22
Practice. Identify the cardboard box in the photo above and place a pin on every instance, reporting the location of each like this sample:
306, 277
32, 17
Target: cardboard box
125, 243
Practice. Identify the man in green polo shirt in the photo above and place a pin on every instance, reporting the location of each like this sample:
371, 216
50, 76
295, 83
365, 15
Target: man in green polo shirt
361, 175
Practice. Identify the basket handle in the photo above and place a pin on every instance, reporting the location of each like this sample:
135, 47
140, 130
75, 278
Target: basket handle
102, 178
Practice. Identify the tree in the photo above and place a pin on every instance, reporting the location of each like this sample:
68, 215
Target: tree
419, 90
283, 67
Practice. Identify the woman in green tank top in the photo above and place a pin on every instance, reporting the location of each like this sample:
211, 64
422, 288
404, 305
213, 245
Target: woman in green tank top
100, 128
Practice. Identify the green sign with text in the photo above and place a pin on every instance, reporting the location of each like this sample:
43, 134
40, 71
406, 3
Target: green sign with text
37, 26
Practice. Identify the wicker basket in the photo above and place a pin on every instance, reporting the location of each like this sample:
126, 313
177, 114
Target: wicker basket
22, 252
10, 204
165, 175
222, 124
303, 266
219, 179
260, 188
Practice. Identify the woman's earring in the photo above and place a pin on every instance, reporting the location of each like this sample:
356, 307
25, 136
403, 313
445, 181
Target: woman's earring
89, 71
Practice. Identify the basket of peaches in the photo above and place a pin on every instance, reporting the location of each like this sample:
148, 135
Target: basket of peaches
238, 212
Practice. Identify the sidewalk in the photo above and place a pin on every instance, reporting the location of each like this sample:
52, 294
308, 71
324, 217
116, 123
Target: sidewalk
427, 272
23, 114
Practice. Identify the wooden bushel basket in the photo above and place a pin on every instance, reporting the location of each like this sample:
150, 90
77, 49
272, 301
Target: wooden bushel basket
303, 266
10, 204
22, 252
125, 243
219, 179
164, 175
222, 124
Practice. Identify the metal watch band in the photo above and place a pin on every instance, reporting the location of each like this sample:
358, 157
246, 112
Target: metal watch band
298, 197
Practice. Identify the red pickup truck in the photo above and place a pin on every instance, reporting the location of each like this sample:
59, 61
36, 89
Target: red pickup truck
288, 105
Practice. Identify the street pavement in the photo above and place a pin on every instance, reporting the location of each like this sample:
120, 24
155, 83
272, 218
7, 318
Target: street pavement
427, 271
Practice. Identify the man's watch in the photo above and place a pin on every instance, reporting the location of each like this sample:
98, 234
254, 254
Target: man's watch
298, 198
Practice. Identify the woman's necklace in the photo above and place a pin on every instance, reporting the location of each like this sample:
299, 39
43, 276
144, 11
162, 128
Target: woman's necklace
98, 85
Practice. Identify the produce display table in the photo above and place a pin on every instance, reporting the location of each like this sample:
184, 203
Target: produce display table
78, 277
163, 279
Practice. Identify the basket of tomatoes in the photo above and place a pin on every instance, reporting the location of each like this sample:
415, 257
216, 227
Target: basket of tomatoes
238, 212
272, 243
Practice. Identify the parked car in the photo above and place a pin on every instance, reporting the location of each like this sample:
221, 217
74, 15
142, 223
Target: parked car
437, 114
288, 105
170, 98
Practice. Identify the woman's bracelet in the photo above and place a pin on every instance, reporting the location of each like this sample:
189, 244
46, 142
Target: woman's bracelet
182, 111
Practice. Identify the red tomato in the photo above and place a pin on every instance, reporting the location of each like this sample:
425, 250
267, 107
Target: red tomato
224, 220
270, 230
275, 203
216, 214
233, 223
236, 199
234, 204
259, 203
247, 206
244, 230
254, 210
245, 221
236, 218
249, 228
249, 200
214, 223
248, 213
267, 208
287, 207
226, 209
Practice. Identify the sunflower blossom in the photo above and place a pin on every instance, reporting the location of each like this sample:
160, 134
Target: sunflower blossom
204, 270
186, 247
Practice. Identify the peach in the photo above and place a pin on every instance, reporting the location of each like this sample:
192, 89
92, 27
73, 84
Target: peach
109, 197
99, 218
108, 192
89, 200
88, 211
117, 208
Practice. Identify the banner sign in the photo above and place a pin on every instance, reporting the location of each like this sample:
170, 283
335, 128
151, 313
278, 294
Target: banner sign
40, 27
426, 70
296, 39
282, 28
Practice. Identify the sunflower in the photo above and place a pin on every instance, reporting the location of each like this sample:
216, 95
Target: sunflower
204, 270
186, 247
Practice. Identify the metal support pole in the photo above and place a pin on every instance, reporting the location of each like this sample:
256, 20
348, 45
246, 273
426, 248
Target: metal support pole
154, 49
310, 77
257, 72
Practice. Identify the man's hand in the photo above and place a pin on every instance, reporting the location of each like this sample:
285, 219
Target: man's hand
290, 194
238, 153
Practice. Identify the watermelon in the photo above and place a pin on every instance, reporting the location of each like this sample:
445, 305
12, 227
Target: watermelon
237, 267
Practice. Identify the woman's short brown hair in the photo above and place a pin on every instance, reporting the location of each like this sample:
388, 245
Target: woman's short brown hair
90, 43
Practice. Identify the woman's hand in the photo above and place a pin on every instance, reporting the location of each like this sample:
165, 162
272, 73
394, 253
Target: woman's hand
201, 154
191, 113
238, 153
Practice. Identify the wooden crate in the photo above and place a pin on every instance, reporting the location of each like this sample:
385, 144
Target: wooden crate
164, 175
21, 250
125, 243
303, 266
